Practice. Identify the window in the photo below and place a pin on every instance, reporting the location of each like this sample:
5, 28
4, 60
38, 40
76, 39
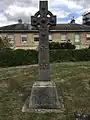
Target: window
50, 37
77, 38
63, 37
11, 36
24, 38
88, 36
36, 37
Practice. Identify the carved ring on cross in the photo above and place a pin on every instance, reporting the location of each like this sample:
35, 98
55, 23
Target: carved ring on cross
50, 19
49, 14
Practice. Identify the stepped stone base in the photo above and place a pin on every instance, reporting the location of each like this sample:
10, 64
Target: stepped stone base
43, 98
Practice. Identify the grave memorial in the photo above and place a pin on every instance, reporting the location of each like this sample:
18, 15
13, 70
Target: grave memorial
44, 93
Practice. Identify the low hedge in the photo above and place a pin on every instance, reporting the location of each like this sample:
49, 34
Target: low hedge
64, 45
18, 57
69, 55
9, 58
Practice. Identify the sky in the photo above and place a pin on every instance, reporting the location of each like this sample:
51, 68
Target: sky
12, 10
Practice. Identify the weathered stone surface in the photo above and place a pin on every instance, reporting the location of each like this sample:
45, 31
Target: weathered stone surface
43, 93
42, 20
44, 96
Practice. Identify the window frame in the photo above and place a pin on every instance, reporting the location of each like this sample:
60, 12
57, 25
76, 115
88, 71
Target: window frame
50, 37
36, 36
25, 41
12, 37
78, 40
87, 38
66, 37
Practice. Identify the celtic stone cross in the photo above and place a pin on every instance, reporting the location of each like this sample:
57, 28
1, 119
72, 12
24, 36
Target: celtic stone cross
43, 93
43, 19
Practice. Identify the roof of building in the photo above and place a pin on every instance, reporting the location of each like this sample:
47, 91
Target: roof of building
18, 26
59, 27
70, 27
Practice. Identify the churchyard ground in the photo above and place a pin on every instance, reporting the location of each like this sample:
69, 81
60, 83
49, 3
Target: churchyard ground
73, 84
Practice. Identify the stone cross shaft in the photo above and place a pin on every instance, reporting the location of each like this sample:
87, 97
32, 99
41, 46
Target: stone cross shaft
43, 19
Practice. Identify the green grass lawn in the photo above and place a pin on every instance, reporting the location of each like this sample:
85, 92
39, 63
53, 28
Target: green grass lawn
72, 80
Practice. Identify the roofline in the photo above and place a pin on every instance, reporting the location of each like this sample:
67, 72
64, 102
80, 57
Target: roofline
65, 30
30, 24
32, 31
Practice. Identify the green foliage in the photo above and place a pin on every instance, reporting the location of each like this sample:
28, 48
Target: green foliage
4, 42
82, 55
6, 58
25, 57
18, 57
69, 55
64, 45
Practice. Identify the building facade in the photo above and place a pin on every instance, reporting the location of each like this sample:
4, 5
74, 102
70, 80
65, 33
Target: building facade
86, 18
24, 36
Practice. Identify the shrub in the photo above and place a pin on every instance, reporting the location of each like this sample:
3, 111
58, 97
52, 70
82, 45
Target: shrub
64, 45
25, 57
6, 58
18, 57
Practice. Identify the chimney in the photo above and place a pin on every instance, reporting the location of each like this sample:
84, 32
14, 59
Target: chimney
72, 20
20, 21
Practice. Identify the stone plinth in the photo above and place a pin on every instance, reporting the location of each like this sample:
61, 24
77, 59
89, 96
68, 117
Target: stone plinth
43, 98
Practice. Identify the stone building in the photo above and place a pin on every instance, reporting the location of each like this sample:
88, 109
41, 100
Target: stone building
24, 36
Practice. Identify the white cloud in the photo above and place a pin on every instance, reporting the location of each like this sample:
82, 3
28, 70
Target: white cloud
15, 12
84, 3
2, 17
68, 3
79, 20
60, 13
12, 10
15, 9
5, 23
